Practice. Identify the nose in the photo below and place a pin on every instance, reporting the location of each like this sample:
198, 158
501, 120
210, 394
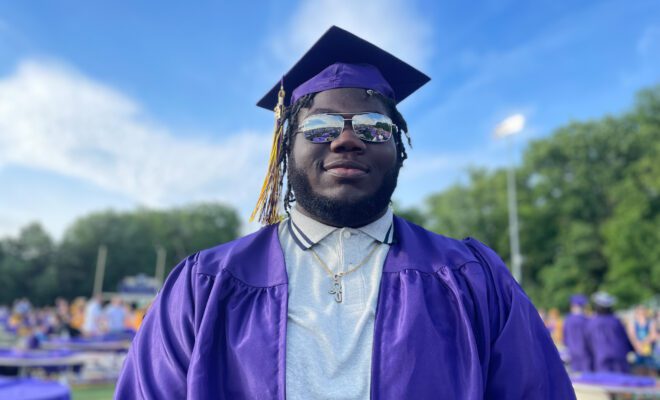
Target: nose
347, 141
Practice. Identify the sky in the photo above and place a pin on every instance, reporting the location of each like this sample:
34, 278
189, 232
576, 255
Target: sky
122, 104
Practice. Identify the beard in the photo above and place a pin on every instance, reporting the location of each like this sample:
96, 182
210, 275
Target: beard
342, 212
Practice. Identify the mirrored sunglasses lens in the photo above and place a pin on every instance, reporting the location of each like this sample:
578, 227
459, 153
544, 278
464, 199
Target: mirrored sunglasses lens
322, 128
372, 127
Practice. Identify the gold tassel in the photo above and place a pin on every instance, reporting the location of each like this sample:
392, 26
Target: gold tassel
268, 202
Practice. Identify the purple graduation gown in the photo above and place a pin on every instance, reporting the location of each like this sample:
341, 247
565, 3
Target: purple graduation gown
450, 323
609, 344
575, 339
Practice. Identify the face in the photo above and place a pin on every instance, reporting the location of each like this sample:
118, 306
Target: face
640, 312
346, 182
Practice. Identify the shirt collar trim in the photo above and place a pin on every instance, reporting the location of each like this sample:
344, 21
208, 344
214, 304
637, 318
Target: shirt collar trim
307, 231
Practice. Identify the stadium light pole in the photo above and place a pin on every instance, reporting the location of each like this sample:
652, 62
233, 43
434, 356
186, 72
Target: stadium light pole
160, 265
506, 130
101, 258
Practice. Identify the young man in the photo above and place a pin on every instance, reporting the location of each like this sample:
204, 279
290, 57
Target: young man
575, 339
609, 344
342, 300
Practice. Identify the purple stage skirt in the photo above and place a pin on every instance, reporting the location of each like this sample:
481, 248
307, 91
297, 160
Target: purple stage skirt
613, 379
32, 389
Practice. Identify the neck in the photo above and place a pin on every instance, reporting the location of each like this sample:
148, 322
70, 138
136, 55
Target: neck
355, 223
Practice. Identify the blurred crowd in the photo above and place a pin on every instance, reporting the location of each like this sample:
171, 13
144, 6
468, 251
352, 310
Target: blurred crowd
80, 318
592, 338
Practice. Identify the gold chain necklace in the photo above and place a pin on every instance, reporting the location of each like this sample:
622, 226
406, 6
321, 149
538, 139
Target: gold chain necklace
337, 290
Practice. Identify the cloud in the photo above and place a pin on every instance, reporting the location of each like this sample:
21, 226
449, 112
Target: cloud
395, 25
425, 166
53, 118
645, 66
649, 42
427, 172
10, 225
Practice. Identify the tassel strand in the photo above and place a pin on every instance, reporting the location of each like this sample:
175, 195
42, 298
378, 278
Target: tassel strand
271, 191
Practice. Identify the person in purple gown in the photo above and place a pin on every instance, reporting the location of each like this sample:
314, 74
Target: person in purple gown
575, 339
609, 344
341, 299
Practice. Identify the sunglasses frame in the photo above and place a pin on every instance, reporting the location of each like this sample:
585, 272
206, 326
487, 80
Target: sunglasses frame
395, 128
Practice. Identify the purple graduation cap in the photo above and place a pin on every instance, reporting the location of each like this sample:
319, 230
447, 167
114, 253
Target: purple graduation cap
579, 300
603, 299
340, 59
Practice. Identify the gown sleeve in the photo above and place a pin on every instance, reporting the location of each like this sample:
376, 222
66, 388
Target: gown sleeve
157, 362
524, 362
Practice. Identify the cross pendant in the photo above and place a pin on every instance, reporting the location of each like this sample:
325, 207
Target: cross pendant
336, 288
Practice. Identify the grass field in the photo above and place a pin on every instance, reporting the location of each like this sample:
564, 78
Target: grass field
97, 392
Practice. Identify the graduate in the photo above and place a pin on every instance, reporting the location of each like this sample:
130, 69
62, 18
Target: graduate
575, 338
341, 299
608, 341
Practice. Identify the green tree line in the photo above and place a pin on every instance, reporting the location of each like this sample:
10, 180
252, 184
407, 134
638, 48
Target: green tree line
589, 208
33, 265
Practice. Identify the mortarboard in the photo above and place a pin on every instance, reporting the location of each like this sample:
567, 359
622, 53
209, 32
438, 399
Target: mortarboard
579, 299
337, 45
338, 59
603, 299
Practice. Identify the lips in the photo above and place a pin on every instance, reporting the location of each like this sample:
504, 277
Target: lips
346, 168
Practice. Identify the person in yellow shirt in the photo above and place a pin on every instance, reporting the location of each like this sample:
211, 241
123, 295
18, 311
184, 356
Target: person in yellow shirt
78, 313
555, 325
134, 317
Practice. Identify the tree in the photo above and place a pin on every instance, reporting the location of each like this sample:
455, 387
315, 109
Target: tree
25, 264
132, 240
632, 234
412, 214
477, 209
589, 207
594, 188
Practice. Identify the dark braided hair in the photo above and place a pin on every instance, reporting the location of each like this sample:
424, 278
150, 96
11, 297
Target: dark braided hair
291, 118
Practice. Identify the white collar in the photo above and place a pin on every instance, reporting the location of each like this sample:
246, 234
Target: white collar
307, 231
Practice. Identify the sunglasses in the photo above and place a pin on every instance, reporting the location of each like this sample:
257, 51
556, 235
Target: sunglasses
369, 127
